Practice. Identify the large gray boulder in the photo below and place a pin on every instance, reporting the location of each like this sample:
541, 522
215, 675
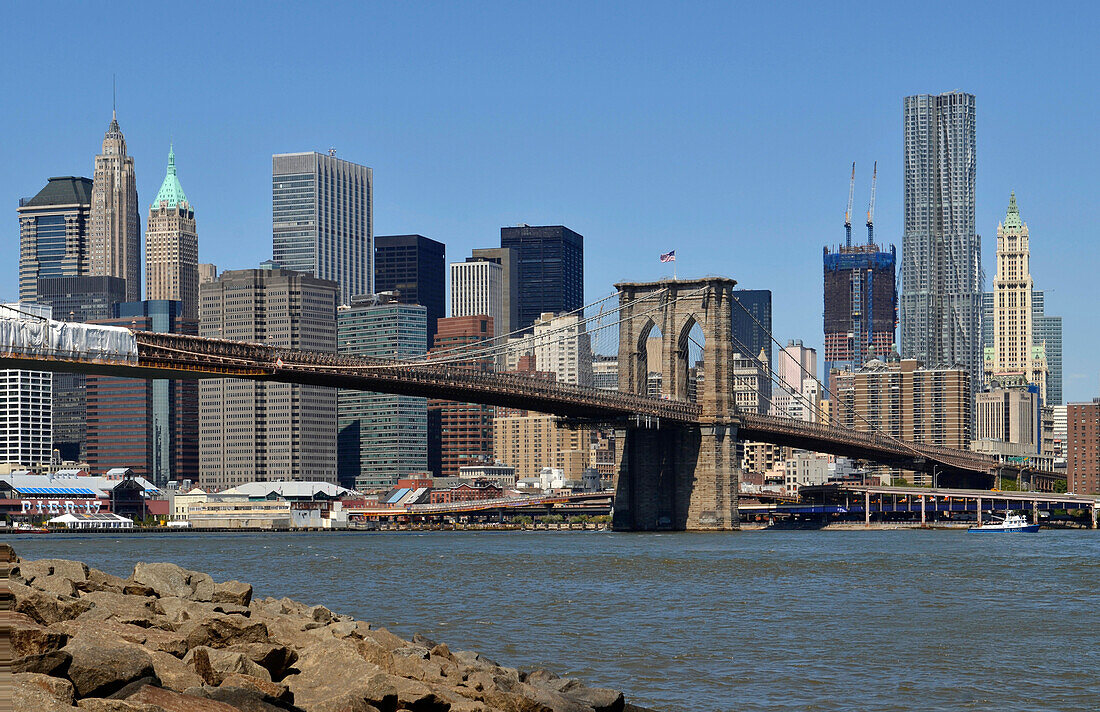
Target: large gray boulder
31, 638
173, 673
103, 663
141, 611
276, 659
233, 592
331, 677
214, 665
41, 693
171, 701
171, 580
54, 575
221, 631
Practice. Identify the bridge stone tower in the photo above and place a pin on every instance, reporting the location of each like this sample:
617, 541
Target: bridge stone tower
675, 476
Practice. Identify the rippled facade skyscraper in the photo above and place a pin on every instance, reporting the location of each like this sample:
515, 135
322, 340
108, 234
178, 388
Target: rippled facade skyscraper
941, 280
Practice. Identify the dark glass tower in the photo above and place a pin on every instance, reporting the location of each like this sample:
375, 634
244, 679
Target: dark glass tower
414, 268
550, 270
752, 327
80, 299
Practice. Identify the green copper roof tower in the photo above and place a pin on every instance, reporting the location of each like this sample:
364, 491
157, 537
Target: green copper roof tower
171, 192
172, 246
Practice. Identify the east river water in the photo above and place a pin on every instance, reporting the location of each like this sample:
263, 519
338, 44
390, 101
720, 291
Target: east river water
857, 620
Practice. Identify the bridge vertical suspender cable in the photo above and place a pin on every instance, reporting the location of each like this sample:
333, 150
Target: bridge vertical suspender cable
873, 428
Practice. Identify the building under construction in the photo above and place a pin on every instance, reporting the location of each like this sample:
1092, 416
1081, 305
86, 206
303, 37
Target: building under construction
860, 295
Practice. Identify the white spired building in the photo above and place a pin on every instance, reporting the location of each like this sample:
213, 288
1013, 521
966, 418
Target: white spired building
26, 404
1014, 358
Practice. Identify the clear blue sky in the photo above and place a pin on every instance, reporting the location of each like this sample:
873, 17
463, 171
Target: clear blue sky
722, 130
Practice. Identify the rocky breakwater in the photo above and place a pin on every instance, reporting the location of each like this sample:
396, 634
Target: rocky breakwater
171, 640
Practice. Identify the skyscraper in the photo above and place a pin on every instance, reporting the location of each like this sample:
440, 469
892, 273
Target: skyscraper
563, 347
116, 226
172, 246
1013, 358
252, 430
1046, 331
79, 299
54, 233
752, 326
460, 434
477, 287
382, 437
941, 282
508, 259
149, 426
323, 220
1083, 447
414, 268
861, 301
549, 270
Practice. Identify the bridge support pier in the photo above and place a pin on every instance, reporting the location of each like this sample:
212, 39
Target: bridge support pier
679, 478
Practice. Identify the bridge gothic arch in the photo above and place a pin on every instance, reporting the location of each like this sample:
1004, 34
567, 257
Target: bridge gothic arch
675, 307
679, 477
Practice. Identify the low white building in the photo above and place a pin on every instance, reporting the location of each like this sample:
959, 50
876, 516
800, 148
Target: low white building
501, 475
81, 520
803, 469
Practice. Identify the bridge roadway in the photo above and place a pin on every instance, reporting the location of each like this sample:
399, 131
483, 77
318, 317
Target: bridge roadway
176, 356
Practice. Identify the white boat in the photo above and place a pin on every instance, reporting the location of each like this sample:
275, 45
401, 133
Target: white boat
1011, 523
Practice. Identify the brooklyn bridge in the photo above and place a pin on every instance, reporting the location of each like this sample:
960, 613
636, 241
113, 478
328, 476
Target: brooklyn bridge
680, 466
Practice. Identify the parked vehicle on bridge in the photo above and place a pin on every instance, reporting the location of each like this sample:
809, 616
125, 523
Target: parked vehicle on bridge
1012, 523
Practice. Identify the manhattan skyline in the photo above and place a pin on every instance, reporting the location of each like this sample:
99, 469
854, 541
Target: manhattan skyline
715, 132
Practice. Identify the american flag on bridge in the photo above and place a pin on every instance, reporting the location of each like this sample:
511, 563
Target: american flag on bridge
669, 256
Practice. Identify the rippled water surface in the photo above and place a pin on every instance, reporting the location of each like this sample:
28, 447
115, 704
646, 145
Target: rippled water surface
879, 620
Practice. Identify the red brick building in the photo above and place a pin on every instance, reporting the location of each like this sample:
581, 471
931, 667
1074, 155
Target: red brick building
460, 433
465, 493
1083, 447
149, 426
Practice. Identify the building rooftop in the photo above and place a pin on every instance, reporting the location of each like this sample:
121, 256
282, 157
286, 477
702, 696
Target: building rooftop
64, 486
63, 190
289, 489
171, 192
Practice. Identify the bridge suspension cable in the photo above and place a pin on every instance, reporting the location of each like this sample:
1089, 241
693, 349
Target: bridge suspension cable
472, 353
465, 348
871, 426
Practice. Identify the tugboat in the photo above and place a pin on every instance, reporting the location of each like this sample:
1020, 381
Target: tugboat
1011, 523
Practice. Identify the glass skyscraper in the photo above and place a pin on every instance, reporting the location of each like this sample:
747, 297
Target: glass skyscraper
941, 279
549, 270
1047, 331
382, 437
54, 233
322, 219
752, 328
414, 268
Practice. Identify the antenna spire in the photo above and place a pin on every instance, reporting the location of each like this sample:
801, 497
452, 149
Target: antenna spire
114, 97
871, 208
848, 212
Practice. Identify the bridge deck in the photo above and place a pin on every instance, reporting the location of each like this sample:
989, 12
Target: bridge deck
177, 356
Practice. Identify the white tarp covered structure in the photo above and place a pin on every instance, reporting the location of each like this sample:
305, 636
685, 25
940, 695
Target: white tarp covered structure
46, 337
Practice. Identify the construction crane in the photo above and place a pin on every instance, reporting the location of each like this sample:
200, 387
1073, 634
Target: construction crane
871, 208
848, 212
